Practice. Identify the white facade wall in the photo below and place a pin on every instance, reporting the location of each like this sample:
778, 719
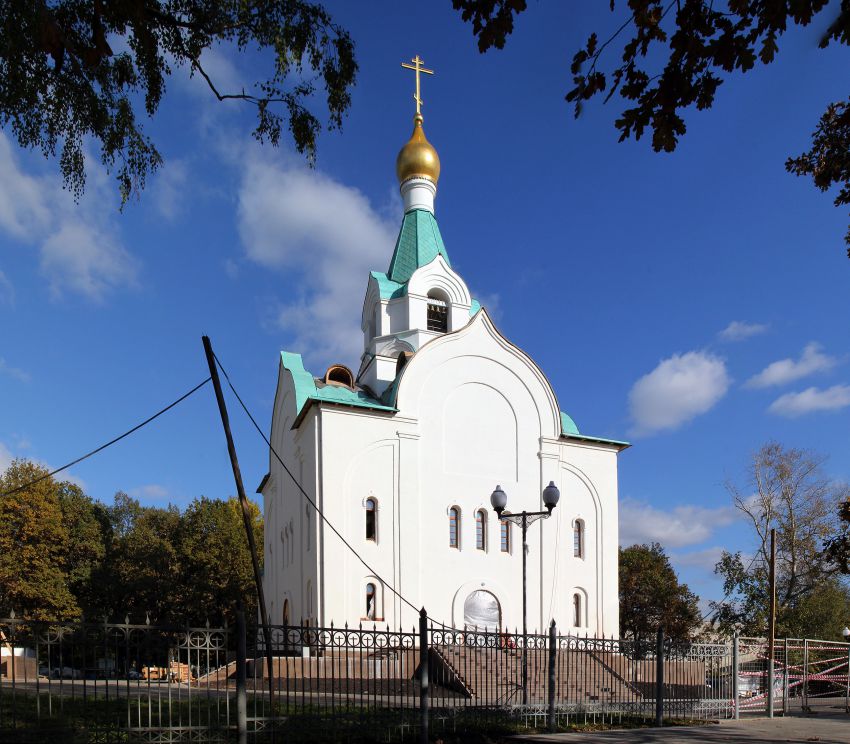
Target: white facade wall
474, 412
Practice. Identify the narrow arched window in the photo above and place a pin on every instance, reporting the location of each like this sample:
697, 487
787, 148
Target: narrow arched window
481, 530
438, 311
577, 610
505, 529
286, 612
578, 539
454, 527
371, 519
307, 520
371, 597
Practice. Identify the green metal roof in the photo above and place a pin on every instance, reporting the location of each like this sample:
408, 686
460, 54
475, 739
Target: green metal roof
474, 307
568, 426
307, 389
387, 287
601, 440
570, 430
419, 242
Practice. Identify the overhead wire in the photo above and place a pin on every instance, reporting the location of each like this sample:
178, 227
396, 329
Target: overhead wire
304, 493
109, 443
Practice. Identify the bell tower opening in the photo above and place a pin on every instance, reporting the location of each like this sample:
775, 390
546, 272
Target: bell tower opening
438, 311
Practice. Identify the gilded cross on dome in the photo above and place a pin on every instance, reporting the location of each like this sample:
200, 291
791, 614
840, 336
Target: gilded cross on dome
417, 68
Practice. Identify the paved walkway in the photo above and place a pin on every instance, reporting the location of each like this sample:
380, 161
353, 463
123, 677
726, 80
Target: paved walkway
824, 728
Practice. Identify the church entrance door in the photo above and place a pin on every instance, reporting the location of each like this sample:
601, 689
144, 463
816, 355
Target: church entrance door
481, 611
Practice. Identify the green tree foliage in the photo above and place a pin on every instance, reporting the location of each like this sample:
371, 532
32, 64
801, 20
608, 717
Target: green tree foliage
651, 596
34, 542
87, 523
665, 56
141, 574
62, 84
214, 558
785, 490
837, 549
63, 555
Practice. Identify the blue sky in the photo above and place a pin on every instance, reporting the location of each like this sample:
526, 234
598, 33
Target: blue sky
617, 269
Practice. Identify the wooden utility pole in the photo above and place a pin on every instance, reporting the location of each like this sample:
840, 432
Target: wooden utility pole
771, 626
246, 510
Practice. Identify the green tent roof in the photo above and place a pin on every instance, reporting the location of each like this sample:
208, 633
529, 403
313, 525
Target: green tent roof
419, 242
308, 388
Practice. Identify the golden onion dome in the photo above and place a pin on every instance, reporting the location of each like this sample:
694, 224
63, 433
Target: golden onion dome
418, 158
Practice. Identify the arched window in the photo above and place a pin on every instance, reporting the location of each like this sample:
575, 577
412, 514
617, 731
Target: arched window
307, 521
371, 601
372, 519
505, 529
309, 600
286, 612
438, 311
578, 539
577, 619
481, 529
284, 541
454, 527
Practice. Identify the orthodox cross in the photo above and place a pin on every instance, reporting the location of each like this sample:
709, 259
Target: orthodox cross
417, 68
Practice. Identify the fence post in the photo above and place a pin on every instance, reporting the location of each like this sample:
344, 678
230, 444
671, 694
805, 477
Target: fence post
847, 691
785, 679
241, 686
736, 693
553, 650
806, 675
424, 691
659, 678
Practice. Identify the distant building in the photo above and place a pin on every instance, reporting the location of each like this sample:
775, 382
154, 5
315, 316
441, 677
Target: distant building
402, 459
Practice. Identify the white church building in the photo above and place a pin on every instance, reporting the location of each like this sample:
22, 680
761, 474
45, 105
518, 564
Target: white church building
401, 458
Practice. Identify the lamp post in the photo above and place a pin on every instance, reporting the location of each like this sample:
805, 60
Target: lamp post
499, 500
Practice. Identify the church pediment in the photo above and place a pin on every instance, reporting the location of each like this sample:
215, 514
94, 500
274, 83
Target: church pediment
478, 352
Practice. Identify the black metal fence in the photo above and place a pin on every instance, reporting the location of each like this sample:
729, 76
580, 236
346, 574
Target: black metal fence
137, 682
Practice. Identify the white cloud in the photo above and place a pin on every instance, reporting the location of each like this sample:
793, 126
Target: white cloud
169, 188
7, 291
78, 245
150, 492
676, 391
813, 399
686, 524
705, 559
6, 457
783, 371
14, 372
738, 330
291, 218
80, 258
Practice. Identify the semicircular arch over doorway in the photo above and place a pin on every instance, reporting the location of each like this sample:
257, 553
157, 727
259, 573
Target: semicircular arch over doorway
481, 611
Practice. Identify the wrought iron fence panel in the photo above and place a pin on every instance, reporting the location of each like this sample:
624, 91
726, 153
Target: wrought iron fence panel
139, 682
111, 681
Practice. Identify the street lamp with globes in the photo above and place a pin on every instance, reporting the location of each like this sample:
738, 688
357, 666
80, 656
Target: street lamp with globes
499, 500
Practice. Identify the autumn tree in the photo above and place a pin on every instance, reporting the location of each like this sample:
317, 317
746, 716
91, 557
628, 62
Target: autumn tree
652, 597
73, 71
786, 490
140, 575
34, 541
215, 562
662, 57
87, 524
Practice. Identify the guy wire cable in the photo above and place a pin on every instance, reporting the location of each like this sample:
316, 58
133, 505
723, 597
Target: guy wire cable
313, 503
110, 443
